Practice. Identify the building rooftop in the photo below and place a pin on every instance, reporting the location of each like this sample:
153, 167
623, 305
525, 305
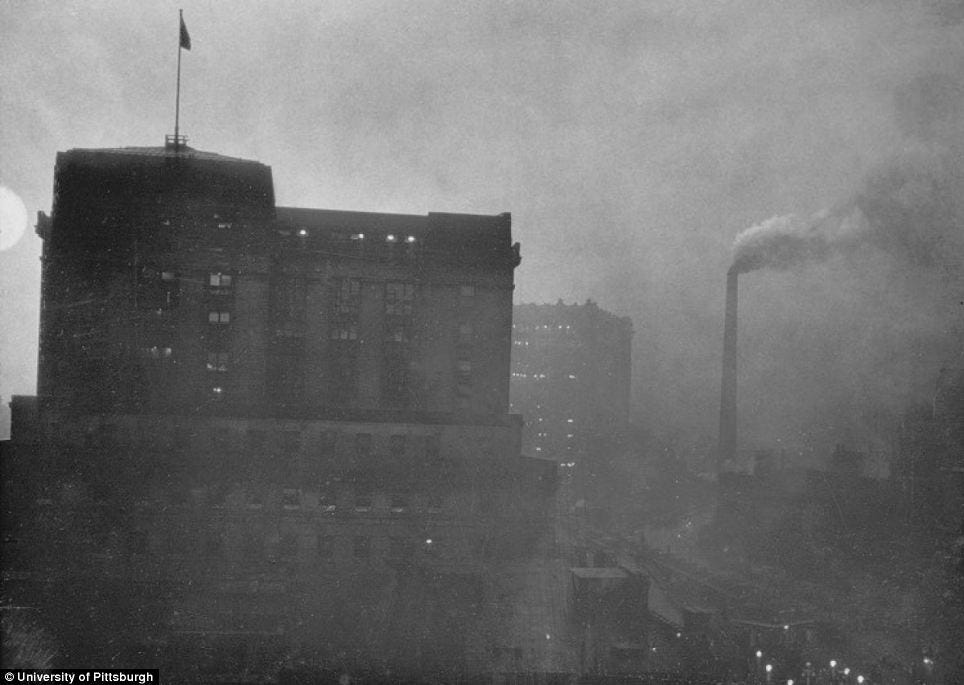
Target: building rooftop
182, 152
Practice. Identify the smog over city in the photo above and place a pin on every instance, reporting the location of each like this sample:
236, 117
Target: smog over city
383, 342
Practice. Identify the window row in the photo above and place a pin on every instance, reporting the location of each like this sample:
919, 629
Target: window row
327, 501
291, 546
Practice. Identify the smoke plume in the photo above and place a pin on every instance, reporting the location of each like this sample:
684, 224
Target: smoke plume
909, 206
783, 242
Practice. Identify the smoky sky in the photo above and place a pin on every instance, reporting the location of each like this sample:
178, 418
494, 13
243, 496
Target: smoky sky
632, 142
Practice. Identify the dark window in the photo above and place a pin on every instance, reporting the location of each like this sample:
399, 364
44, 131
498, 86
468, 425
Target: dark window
396, 444
327, 444
288, 546
363, 444
289, 307
363, 501
287, 382
434, 505
291, 498
137, 542
432, 449
291, 443
347, 296
399, 298
211, 543
401, 549
397, 378
256, 440
252, 544
465, 334
326, 547
362, 547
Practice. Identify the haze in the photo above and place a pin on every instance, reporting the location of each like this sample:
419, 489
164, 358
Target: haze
632, 141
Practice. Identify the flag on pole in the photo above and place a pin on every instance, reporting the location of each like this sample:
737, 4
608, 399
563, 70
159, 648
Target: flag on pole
185, 38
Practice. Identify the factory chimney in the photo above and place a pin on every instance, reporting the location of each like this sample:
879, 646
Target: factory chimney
727, 445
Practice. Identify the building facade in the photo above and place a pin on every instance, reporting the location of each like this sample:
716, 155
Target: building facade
571, 377
265, 438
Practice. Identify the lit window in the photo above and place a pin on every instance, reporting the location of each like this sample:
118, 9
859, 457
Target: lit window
390, 238
224, 224
219, 317
302, 232
156, 352
344, 333
326, 503
410, 239
168, 276
219, 280
363, 502
357, 236
399, 504
569, 421
217, 391
217, 361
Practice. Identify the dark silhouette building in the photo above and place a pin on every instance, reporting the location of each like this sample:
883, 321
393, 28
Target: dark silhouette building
265, 437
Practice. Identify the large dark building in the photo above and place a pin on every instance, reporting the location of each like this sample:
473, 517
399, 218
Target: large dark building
265, 437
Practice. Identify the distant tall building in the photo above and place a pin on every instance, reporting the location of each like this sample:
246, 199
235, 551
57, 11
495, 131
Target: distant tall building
265, 436
571, 375
928, 466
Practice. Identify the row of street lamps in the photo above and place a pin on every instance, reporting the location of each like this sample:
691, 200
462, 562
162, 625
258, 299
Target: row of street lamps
835, 676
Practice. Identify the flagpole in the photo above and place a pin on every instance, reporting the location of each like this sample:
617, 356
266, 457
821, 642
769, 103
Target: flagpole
177, 98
